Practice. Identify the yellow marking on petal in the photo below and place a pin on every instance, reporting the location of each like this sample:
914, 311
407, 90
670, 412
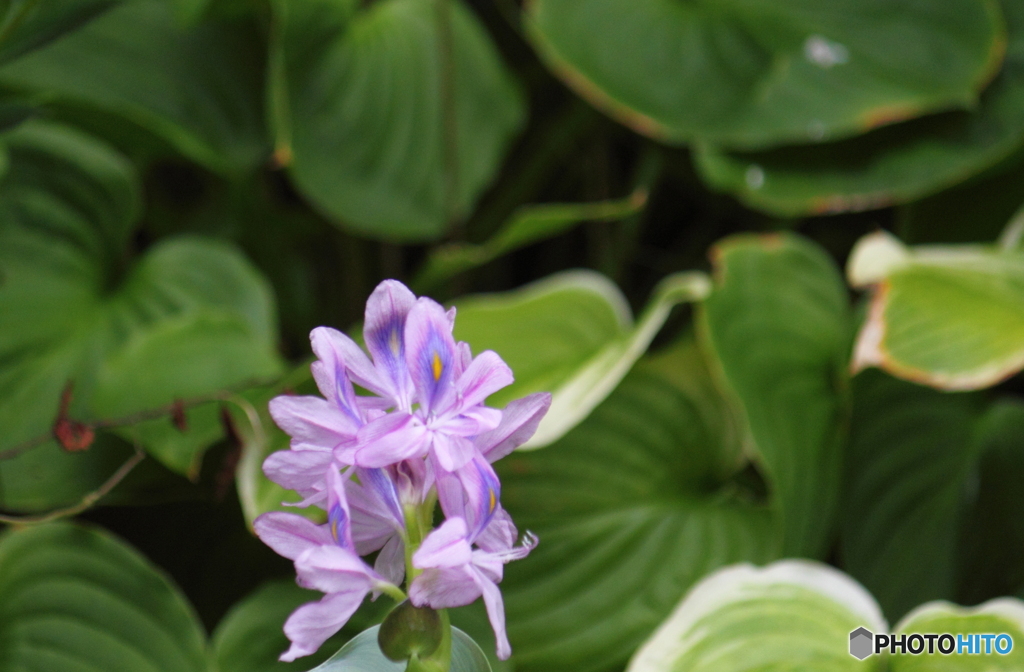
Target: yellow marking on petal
437, 367
494, 500
393, 342
334, 529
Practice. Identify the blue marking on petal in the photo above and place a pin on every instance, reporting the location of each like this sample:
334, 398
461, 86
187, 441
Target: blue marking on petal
380, 482
435, 361
389, 347
346, 395
491, 492
338, 522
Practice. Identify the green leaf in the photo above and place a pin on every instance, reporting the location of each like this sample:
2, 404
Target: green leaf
571, 334
991, 540
753, 74
250, 637
790, 615
945, 316
28, 24
362, 654
891, 165
191, 317
359, 112
528, 225
631, 510
911, 452
75, 598
1004, 615
194, 86
778, 324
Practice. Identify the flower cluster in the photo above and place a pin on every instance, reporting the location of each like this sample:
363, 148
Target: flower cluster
378, 463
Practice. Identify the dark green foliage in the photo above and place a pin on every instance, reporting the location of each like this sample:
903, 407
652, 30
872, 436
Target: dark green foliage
187, 187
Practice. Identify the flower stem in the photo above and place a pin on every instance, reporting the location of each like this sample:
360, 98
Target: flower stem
418, 523
441, 659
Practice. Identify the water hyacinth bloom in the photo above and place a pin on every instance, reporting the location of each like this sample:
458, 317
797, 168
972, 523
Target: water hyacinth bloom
379, 463
449, 390
455, 573
326, 560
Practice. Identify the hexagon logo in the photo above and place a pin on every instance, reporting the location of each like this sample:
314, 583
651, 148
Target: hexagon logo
861, 643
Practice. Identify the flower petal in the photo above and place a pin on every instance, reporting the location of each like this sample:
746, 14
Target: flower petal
390, 439
430, 355
299, 470
373, 521
519, 421
471, 422
444, 588
384, 334
312, 422
474, 495
339, 519
499, 535
390, 562
333, 348
332, 569
486, 374
463, 357
313, 623
445, 546
495, 613
451, 451
379, 483
290, 535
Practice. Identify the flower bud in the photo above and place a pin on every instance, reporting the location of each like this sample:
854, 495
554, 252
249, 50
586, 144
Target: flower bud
409, 631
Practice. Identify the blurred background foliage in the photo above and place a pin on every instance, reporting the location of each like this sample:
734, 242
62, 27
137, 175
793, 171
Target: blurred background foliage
187, 187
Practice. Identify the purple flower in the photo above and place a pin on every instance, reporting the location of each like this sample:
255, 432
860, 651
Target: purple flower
326, 560
455, 574
378, 522
379, 463
323, 430
450, 390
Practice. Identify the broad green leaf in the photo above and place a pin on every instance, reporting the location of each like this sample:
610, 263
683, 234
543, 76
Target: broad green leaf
571, 334
358, 109
76, 598
778, 324
753, 74
28, 24
250, 637
891, 165
946, 316
362, 654
910, 455
991, 540
631, 510
528, 225
198, 87
790, 615
1004, 615
191, 316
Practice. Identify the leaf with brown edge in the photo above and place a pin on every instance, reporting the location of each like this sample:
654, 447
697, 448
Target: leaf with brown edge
784, 72
951, 317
